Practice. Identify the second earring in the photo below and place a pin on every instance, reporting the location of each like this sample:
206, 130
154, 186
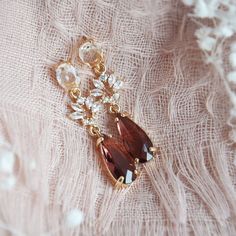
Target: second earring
120, 159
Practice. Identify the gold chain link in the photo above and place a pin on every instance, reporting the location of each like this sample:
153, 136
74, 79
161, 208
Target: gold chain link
95, 131
74, 93
114, 108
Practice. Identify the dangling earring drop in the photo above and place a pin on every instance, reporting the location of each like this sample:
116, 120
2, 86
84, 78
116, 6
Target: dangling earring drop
107, 85
118, 163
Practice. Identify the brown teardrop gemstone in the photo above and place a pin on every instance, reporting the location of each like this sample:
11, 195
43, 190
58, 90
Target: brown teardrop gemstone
117, 160
136, 141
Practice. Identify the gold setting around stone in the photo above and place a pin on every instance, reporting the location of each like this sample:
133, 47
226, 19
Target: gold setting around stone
106, 89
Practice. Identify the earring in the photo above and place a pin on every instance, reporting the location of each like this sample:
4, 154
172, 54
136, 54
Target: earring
119, 164
107, 85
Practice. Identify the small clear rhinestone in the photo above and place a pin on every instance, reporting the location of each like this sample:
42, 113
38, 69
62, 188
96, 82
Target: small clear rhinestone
111, 80
96, 92
89, 121
89, 52
118, 84
76, 107
89, 102
76, 116
106, 99
103, 77
98, 84
80, 100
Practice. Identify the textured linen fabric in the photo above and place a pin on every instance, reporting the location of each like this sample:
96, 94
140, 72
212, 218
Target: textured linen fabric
169, 90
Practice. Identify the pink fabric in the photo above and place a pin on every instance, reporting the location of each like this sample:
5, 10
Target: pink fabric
189, 190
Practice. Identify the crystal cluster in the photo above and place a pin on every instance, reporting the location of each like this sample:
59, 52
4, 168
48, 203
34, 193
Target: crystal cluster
118, 157
86, 108
106, 88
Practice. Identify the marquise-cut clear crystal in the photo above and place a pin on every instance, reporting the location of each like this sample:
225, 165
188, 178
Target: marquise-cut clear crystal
103, 77
80, 100
89, 102
96, 92
98, 84
76, 115
111, 80
116, 96
96, 107
76, 107
67, 76
136, 141
118, 84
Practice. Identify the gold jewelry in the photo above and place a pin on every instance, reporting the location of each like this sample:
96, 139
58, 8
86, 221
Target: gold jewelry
107, 85
119, 159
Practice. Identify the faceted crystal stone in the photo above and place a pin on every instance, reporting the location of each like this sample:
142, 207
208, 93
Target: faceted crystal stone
89, 121
117, 160
81, 100
98, 84
76, 115
117, 85
67, 76
103, 77
89, 102
96, 92
136, 141
111, 80
89, 53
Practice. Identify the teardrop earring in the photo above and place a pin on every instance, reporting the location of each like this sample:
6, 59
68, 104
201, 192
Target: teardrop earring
118, 163
107, 85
